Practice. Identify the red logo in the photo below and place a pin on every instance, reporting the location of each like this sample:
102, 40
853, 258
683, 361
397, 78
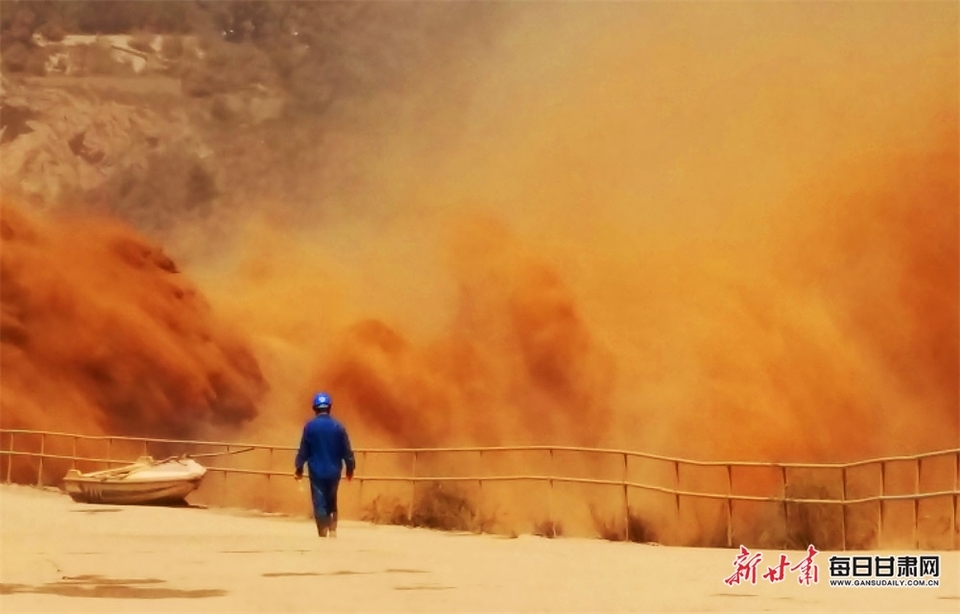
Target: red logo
746, 563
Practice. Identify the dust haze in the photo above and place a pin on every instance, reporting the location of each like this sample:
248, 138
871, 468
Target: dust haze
628, 237
720, 231
101, 334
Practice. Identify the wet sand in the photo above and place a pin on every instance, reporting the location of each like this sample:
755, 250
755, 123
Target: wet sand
61, 556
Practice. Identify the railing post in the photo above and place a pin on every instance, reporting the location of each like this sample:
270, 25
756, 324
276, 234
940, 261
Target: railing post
146, 452
363, 457
43, 439
626, 503
360, 495
843, 509
413, 489
73, 460
223, 497
883, 492
480, 498
676, 486
729, 506
916, 507
269, 464
956, 487
109, 452
786, 506
10, 458
550, 519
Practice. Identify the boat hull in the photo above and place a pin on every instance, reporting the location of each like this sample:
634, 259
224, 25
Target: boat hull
84, 491
143, 483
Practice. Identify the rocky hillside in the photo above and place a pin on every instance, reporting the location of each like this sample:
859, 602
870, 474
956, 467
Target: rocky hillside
161, 113
67, 142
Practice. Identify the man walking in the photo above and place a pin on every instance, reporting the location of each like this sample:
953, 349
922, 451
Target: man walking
324, 448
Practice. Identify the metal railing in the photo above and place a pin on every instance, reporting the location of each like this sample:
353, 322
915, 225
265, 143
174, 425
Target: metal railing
622, 482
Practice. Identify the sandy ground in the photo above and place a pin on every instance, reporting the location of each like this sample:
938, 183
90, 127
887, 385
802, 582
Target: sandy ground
61, 556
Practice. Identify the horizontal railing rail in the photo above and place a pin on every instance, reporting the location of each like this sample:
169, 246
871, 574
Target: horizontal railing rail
622, 482
541, 478
517, 448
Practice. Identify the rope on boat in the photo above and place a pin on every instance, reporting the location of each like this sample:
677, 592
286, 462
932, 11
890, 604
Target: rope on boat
212, 453
201, 455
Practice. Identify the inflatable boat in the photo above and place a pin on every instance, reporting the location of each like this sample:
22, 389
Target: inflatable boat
144, 482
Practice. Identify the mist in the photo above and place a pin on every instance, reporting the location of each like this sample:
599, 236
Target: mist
659, 227
716, 231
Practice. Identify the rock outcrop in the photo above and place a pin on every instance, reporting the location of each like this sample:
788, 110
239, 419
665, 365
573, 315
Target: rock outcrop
62, 142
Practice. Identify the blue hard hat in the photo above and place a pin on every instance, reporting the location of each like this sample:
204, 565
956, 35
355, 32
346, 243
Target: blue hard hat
322, 400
